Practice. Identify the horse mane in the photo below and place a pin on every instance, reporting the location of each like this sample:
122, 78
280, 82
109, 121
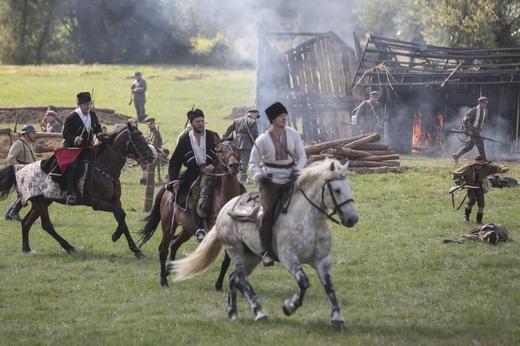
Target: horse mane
109, 139
319, 170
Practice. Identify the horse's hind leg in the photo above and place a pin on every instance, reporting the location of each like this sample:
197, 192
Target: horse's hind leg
323, 270
39, 208
223, 269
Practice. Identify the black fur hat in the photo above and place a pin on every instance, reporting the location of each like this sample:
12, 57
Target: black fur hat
195, 113
274, 110
83, 97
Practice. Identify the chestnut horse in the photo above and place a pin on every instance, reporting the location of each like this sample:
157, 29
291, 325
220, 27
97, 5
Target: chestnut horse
171, 216
301, 235
102, 188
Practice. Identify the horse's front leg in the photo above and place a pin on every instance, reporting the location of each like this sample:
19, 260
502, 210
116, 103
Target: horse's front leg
291, 305
324, 273
122, 228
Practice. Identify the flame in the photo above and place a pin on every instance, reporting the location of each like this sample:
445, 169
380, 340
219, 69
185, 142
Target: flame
430, 137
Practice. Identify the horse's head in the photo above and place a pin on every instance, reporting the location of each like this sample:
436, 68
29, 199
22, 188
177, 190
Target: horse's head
336, 189
227, 154
136, 145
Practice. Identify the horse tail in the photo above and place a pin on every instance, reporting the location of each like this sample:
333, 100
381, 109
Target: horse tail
201, 259
152, 220
7, 181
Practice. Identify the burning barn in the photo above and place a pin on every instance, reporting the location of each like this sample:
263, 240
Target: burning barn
426, 90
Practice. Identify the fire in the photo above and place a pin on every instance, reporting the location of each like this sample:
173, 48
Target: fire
427, 134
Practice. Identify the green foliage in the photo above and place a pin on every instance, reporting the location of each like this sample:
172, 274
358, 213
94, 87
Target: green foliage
397, 284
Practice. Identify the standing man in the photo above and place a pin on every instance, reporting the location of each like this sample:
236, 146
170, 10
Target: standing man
471, 176
196, 151
78, 133
246, 130
281, 151
139, 96
154, 139
368, 114
21, 152
472, 123
52, 124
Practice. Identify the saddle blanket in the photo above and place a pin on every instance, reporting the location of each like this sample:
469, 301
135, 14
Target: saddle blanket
31, 181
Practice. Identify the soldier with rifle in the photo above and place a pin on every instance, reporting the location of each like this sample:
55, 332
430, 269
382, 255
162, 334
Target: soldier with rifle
472, 125
470, 177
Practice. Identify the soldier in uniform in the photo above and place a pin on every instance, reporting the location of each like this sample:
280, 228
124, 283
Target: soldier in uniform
154, 139
472, 123
52, 124
139, 95
368, 114
21, 152
246, 130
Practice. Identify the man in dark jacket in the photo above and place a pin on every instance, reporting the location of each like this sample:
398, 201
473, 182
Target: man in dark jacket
78, 133
472, 123
196, 151
368, 114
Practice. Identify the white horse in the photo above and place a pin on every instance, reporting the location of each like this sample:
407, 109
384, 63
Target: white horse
301, 235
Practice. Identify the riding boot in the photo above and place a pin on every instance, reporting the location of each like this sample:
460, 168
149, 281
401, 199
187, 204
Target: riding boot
266, 239
467, 212
479, 218
199, 222
13, 211
71, 199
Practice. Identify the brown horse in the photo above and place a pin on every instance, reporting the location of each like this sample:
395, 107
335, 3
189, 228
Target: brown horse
170, 216
102, 188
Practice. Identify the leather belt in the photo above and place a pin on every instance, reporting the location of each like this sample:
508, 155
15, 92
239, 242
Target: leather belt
273, 165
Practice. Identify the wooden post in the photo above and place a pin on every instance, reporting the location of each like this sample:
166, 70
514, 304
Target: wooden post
150, 184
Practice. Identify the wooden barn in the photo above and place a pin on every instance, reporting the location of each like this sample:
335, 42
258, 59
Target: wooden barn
426, 91
311, 74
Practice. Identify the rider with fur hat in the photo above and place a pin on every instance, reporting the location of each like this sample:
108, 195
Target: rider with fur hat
472, 175
21, 152
196, 151
78, 132
277, 156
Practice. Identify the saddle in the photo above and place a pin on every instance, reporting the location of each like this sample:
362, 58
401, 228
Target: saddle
247, 208
51, 167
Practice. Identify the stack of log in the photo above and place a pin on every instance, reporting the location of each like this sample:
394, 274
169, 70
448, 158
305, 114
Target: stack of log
362, 152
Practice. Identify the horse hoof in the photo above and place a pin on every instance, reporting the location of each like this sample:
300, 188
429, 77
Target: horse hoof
116, 236
164, 284
261, 316
29, 252
140, 254
71, 251
288, 310
338, 324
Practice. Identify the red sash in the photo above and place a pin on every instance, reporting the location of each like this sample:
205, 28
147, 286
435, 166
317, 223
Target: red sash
66, 156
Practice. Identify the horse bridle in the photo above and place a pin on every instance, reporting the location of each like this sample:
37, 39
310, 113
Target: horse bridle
225, 161
337, 205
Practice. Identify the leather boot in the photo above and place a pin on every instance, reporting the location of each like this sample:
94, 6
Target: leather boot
200, 233
71, 199
267, 257
467, 212
13, 211
479, 218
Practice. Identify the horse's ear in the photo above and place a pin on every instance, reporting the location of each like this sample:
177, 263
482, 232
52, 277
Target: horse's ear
332, 166
129, 126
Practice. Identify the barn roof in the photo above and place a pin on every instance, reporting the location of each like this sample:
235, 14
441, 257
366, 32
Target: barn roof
388, 62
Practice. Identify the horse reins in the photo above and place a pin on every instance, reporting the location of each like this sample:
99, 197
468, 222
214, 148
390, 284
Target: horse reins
337, 205
225, 162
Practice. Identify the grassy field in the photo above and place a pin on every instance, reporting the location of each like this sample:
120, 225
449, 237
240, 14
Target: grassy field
397, 283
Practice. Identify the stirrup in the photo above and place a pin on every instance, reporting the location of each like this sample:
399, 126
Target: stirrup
199, 235
71, 200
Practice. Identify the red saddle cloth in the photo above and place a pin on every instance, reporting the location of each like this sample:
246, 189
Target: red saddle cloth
66, 156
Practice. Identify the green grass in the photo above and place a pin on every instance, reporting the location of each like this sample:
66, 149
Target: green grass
395, 280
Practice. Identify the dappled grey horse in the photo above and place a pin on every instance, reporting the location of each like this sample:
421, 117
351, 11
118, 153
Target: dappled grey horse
300, 236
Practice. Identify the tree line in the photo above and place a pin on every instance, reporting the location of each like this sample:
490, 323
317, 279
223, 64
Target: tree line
224, 32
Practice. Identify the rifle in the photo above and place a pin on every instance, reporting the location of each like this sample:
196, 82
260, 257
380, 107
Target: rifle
92, 102
458, 188
131, 98
474, 135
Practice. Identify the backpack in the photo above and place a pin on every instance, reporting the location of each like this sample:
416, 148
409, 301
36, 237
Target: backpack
490, 233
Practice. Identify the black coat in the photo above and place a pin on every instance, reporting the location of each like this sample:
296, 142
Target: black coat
73, 127
183, 155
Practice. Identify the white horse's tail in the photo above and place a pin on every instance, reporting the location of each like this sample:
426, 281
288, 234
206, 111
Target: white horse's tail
200, 260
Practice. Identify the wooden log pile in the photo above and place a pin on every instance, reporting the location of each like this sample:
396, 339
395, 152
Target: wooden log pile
362, 152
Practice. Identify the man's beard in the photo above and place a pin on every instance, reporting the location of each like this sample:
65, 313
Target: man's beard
199, 129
